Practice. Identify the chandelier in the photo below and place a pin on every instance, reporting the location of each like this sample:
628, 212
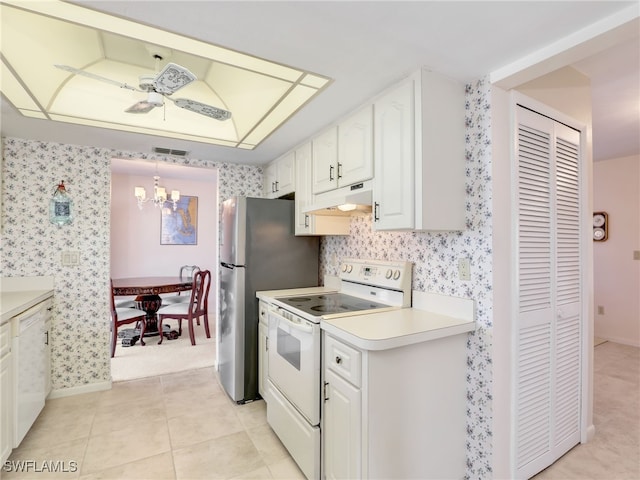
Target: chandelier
159, 195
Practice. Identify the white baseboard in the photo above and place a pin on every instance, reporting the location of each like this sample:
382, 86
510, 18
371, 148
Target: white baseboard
622, 341
91, 387
591, 432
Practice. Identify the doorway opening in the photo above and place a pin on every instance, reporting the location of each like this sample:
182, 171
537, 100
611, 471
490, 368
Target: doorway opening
139, 249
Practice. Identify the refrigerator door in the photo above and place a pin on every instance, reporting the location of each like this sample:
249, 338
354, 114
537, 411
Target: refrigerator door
234, 231
231, 333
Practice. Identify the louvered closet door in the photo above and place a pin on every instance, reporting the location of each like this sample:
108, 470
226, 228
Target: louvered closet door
547, 396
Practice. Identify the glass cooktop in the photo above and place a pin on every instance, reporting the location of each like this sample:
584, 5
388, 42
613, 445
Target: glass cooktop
330, 303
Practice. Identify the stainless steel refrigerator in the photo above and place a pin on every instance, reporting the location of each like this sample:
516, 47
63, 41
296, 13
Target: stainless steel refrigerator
258, 251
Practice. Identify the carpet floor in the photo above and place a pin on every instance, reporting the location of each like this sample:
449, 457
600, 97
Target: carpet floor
172, 356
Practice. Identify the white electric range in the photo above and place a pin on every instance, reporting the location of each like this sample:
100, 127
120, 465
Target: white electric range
294, 350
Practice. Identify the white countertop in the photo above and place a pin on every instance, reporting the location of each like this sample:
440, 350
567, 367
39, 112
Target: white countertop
432, 316
18, 294
395, 328
14, 303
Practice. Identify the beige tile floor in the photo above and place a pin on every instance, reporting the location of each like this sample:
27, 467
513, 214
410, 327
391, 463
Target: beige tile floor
614, 453
177, 426
183, 426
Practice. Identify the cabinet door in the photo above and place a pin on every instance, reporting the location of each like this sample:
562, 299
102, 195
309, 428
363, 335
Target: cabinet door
48, 315
303, 189
394, 156
342, 428
6, 393
325, 161
269, 180
286, 175
355, 148
262, 359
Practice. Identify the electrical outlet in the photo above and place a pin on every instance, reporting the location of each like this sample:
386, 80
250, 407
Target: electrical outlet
464, 269
636, 254
600, 310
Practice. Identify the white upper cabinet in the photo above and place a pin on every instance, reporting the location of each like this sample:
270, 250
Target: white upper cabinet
355, 147
279, 177
307, 224
325, 161
419, 155
343, 155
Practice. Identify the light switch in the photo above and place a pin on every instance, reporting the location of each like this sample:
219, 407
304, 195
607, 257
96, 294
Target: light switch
70, 259
636, 254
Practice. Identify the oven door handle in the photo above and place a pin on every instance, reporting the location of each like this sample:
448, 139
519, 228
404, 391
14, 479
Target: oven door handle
296, 326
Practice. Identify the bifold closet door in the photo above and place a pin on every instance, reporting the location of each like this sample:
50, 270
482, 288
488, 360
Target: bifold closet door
547, 384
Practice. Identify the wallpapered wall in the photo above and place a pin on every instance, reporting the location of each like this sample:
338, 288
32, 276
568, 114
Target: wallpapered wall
435, 268
31, 246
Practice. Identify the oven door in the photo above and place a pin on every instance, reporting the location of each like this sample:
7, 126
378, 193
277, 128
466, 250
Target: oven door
294, 361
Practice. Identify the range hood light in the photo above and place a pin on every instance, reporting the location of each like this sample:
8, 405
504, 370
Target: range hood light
345, 201
347, 207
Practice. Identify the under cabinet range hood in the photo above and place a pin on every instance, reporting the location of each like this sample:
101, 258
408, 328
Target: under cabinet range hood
353, 199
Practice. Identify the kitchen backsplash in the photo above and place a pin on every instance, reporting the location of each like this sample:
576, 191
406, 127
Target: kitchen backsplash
32, 246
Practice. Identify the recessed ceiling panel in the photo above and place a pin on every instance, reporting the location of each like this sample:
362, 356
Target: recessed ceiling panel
110, 66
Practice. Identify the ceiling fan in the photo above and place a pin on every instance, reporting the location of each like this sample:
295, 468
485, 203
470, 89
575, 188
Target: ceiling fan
158, 87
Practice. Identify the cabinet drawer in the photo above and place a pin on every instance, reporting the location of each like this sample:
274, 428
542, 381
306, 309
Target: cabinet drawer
5, 339
346, 361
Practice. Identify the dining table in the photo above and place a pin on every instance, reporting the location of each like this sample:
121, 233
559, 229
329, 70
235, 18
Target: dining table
147, 292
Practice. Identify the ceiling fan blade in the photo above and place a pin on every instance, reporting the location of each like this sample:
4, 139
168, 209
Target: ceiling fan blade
77, 71
141, 107
202, 108
172, 78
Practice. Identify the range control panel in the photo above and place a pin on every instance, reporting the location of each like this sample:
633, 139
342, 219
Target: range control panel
394, 275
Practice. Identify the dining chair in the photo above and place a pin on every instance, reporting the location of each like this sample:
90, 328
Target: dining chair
186, 273
197, 306
122, 316
125, 303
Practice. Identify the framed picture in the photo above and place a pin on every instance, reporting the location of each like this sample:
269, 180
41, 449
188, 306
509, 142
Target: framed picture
180, 226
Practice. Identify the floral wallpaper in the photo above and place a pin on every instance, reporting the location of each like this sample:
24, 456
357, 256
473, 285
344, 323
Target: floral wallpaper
31, 246
435, 269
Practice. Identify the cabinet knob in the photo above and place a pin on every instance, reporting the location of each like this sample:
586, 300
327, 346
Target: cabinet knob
339, 170
338, 359
331, 167
376, 216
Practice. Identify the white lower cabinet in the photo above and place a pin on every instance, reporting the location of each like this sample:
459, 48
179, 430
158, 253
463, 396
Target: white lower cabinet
395, 413
341, 428
263, 345
6, 393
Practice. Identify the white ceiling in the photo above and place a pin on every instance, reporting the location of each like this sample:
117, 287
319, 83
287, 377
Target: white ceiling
367, 46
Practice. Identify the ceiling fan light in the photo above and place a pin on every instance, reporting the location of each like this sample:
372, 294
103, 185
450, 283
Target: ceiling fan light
155, 99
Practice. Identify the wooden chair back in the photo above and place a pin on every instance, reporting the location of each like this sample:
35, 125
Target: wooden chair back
199, 302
